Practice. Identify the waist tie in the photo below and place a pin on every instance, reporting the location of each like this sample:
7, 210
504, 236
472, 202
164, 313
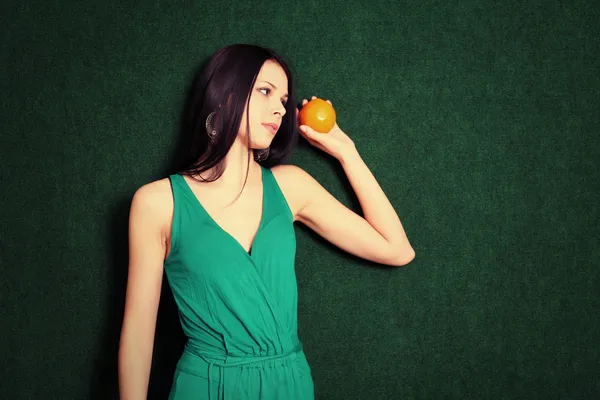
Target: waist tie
233, 361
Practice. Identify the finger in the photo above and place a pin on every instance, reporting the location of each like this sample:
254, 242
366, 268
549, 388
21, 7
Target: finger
314, 143
305, 130
329, 102
308, 131
304, 101
314, 97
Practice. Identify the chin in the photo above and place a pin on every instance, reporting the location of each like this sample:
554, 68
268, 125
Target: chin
262, 143
260, 146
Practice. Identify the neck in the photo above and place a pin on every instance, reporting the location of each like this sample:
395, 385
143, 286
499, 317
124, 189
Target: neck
235, 168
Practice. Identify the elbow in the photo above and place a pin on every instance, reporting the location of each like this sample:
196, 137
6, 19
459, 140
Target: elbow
403, 258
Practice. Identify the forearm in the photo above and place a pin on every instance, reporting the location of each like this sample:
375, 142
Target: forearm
135, 358
377, 209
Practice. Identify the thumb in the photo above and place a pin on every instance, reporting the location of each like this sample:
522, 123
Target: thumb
307, 129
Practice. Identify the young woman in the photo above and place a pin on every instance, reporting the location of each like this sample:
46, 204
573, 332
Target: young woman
222, 231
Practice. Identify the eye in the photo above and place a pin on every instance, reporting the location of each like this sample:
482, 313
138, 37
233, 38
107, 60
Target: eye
284, 102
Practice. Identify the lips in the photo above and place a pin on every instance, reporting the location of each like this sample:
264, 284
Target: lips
271, 128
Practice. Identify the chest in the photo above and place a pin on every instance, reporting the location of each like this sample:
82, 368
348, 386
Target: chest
239, 217
241, 221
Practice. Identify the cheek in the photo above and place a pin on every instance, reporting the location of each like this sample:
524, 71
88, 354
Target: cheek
255, 120
256, 113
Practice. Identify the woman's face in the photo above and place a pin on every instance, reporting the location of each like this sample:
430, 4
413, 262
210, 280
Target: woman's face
267, 106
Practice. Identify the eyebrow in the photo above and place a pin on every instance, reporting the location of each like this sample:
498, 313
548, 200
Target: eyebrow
275, 87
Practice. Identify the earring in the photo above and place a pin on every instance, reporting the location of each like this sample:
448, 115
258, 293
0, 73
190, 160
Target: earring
261, 155
210, 130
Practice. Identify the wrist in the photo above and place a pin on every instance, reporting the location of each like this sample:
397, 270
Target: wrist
348, 154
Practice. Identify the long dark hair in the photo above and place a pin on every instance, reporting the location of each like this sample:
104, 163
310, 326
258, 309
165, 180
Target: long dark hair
224, 85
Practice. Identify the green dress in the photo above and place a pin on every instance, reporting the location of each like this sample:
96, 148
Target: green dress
238, 309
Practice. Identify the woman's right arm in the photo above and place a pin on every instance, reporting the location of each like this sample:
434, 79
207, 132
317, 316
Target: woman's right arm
144, 280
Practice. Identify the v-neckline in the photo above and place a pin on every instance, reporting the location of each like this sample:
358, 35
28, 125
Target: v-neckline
252, 249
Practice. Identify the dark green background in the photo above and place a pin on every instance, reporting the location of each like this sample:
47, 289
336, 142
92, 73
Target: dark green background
478, 118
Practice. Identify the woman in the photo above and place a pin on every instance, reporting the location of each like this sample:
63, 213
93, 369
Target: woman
222, 231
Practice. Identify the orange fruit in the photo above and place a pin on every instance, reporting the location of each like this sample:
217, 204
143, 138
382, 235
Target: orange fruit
318, 114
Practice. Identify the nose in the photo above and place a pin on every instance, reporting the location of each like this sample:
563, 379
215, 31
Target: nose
279, 109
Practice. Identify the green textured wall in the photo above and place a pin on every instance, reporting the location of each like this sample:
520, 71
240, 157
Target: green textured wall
480, 120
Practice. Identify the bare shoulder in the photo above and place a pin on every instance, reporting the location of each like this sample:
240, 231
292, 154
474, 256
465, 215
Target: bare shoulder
295, 183
154, 194
154, 201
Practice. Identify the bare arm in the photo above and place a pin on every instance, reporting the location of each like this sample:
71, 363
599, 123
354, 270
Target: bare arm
146, 256
377, 209
379, 237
